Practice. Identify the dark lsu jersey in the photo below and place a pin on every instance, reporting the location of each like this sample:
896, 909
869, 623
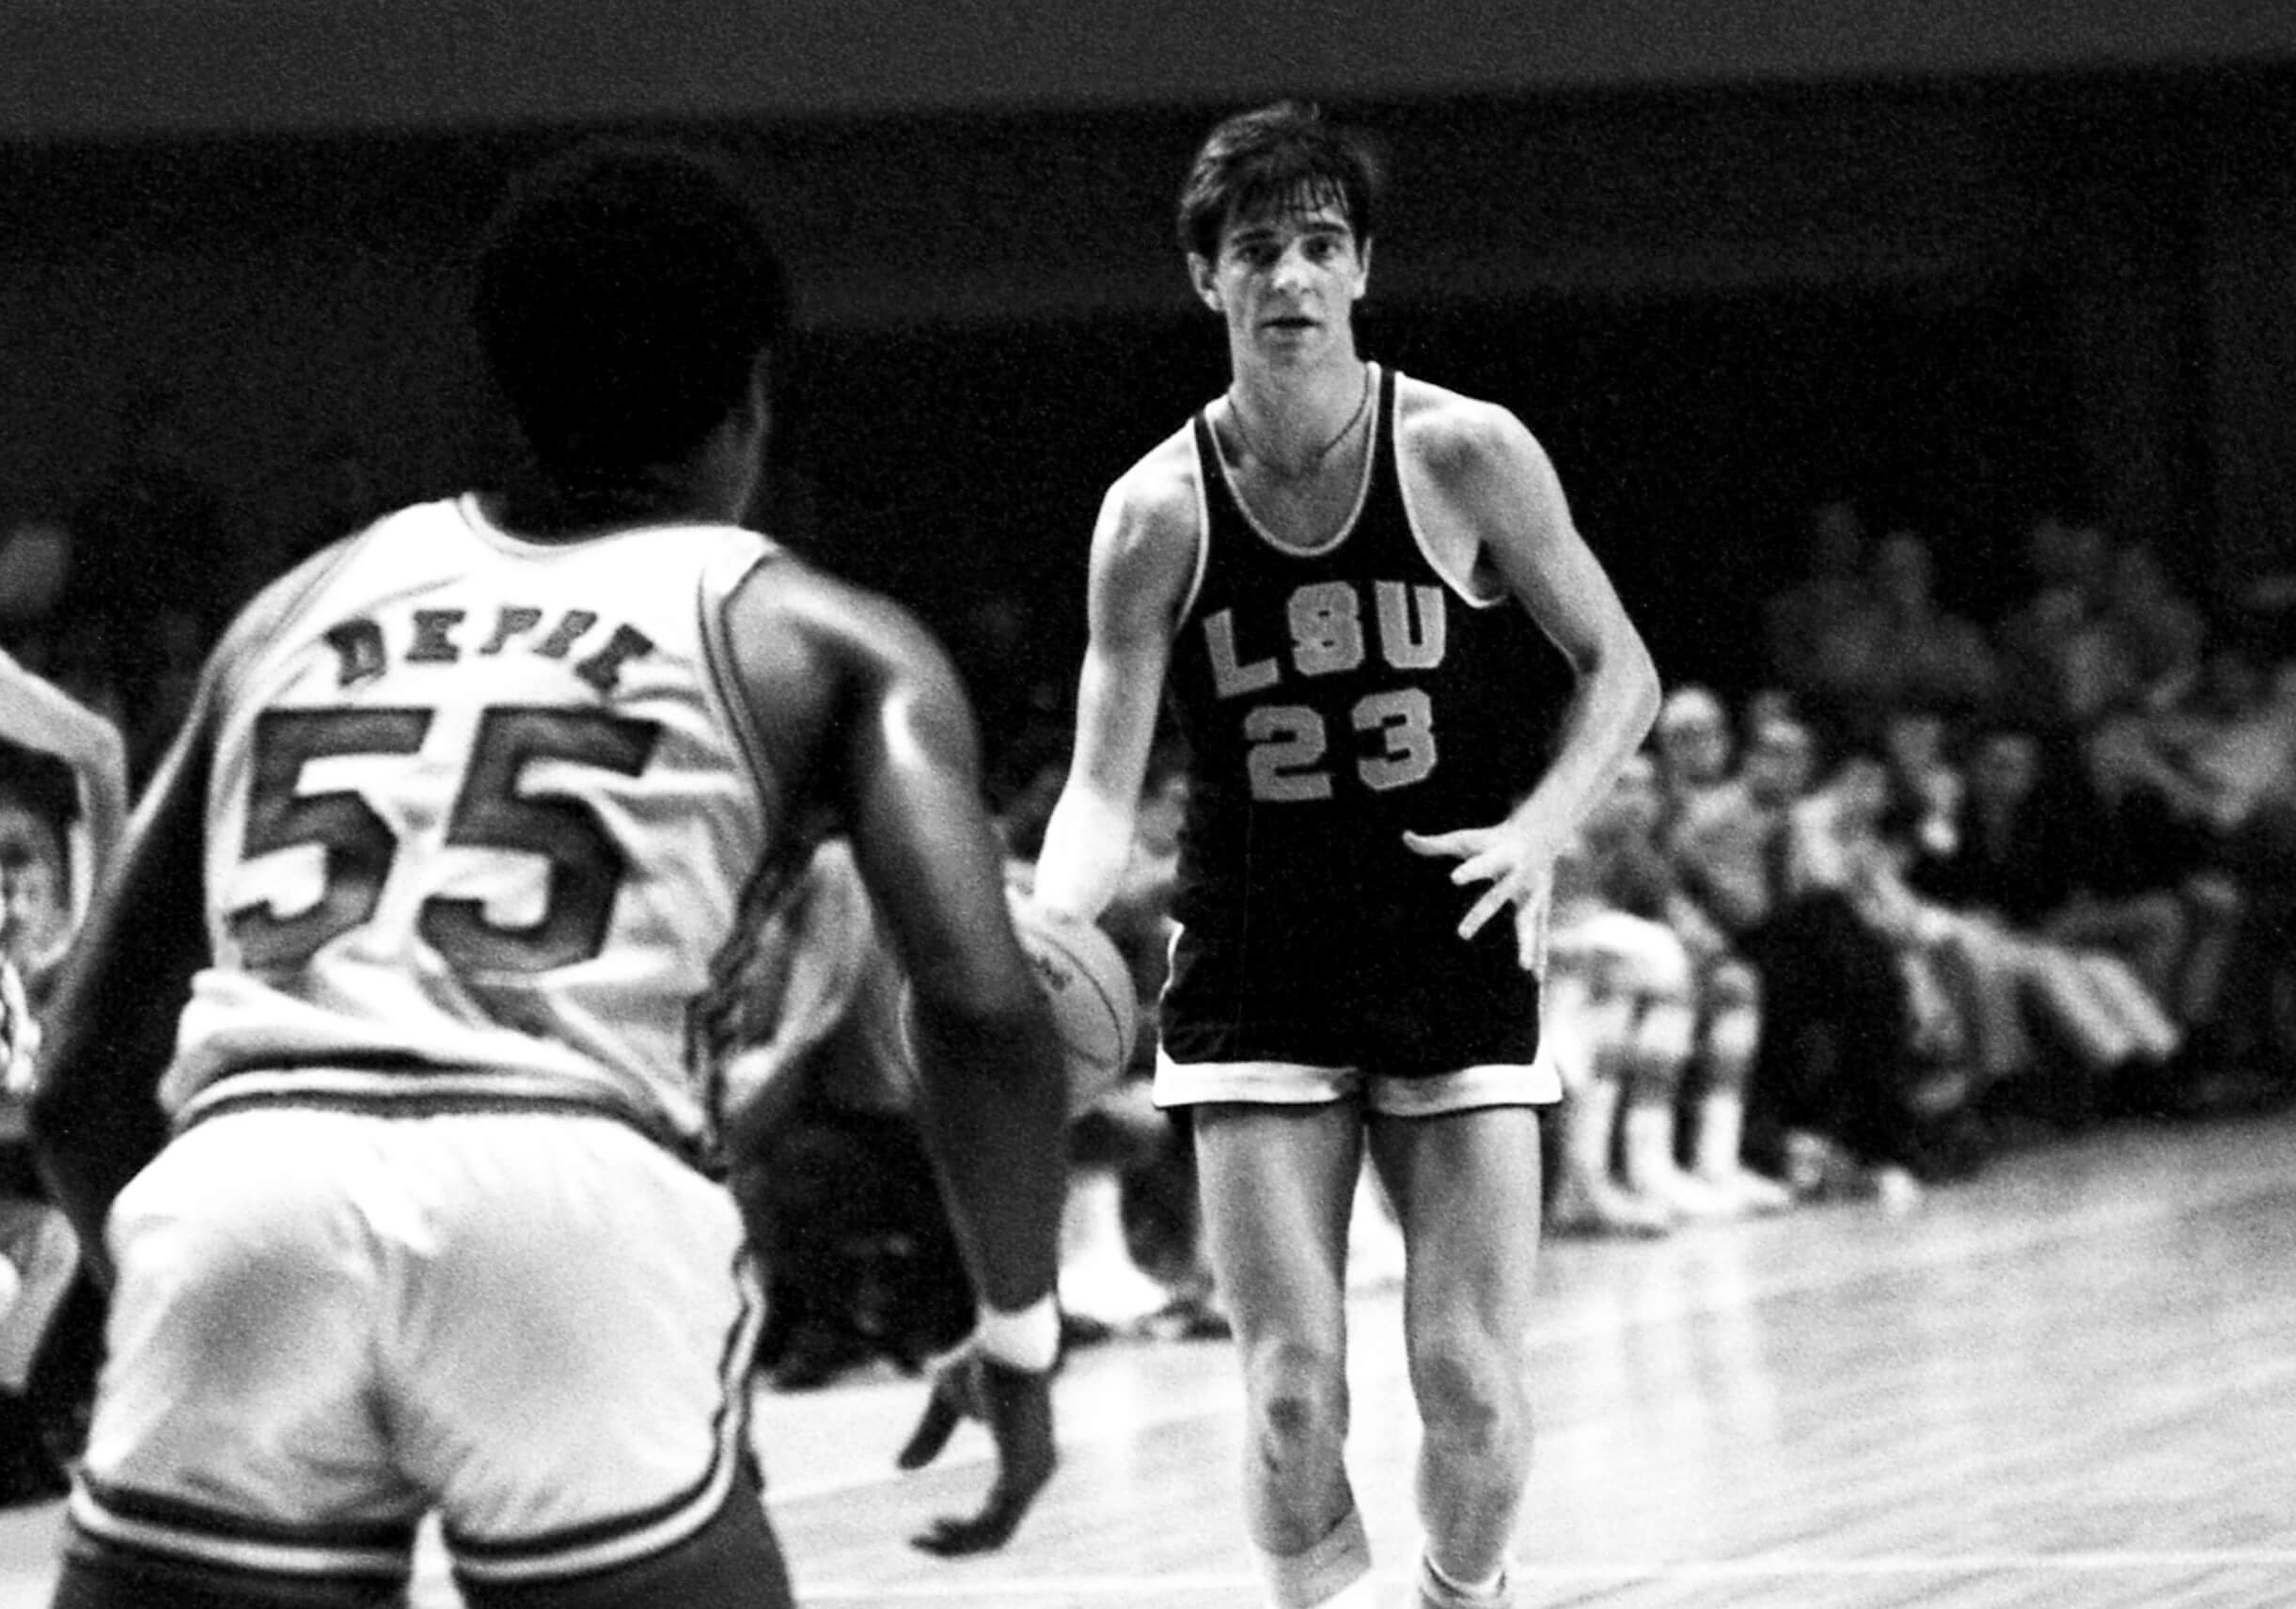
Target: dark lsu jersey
1334, 700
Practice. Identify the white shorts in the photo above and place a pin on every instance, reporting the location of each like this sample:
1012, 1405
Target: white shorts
327, 1323
1536, 1082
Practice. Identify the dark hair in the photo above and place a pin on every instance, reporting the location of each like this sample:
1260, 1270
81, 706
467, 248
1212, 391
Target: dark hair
625, 292
1271, 159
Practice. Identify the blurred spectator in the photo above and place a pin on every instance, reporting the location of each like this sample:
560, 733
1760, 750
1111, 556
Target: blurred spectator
2033, 640
1695, 749
1907, 649
1799, 619
1835, 1064
1925, 787
2196, 797
2158, 635
1649, 1015
1985, 873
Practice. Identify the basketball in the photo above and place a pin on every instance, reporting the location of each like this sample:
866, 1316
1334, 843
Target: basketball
1090, 989
1094, 1010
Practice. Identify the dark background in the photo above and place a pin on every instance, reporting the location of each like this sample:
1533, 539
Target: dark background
1962, 268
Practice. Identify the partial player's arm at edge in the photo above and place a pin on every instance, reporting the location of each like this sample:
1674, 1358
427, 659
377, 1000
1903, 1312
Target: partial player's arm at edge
1143, 554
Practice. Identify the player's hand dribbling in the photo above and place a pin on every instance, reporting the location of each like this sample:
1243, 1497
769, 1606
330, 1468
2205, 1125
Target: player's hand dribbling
1017, 1405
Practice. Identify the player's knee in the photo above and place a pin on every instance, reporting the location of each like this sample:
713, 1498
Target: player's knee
1297, 1398
1471, 1398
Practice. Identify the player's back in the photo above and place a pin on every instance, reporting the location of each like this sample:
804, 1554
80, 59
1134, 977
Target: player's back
480, 819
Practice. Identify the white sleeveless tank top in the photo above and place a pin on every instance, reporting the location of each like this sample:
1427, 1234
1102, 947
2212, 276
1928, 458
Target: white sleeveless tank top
480, 818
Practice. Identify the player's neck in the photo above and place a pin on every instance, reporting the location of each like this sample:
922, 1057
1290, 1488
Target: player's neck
547, 508
1293, 422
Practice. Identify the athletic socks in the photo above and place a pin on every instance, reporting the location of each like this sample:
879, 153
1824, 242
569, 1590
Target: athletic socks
1334, 1573
1438, 1591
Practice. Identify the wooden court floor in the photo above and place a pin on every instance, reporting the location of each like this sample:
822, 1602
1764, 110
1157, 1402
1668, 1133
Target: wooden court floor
2069, 1382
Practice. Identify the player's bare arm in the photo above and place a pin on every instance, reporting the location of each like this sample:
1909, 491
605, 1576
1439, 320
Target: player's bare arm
872, 699
1488, 498
1145, 550
853, 681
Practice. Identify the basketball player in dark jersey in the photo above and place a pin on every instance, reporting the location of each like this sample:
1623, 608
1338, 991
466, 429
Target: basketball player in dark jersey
370, 1087
1335, 572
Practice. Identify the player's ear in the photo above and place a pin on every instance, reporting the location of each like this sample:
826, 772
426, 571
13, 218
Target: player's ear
1200, 275
1362, 270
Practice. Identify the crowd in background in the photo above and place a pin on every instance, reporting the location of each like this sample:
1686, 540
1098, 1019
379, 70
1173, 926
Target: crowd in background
1936, 886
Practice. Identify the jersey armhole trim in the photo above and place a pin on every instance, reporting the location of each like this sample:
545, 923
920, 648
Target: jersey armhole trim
1463, 585
711, 600
1202, 563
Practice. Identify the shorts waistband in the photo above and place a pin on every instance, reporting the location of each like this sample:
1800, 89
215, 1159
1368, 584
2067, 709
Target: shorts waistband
396, 1090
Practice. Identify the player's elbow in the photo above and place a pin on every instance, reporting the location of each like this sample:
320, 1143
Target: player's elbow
1618, 674
1642, 692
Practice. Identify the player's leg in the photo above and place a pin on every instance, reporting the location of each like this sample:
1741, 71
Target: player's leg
1730, 1033
1585, 1023
1466, 1184
1276, 1184
619, 1476
1656, 1060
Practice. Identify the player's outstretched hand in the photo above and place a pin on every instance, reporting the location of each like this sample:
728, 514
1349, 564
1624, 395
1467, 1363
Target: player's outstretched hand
1017, 1405
1521, 874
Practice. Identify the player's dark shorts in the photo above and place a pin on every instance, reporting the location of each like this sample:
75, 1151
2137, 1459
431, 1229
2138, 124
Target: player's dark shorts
1421, 1022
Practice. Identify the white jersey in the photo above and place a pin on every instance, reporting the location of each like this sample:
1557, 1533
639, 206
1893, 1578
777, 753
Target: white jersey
480, 819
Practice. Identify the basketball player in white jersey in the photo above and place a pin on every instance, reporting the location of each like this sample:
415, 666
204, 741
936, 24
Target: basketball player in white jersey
1342, 576
407, 943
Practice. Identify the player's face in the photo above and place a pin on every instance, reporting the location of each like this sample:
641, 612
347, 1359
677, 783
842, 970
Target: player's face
1778, 765
1697, 751
1287, 280
1635, 800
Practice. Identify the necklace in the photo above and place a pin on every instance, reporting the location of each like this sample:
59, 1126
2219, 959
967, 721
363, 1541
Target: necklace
1316, 459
